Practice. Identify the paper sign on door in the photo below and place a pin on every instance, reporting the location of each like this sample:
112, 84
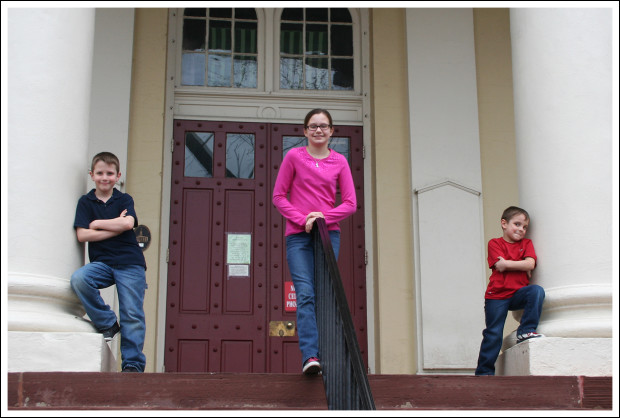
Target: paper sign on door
290, 297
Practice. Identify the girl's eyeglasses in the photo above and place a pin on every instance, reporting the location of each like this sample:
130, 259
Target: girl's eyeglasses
315, 127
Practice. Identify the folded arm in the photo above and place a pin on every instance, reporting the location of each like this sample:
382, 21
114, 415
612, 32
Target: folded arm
101, 229
526, 265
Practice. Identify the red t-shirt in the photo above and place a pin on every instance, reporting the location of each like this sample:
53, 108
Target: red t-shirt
504, 285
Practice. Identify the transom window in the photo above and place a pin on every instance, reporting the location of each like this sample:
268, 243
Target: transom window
316, 49
220, 47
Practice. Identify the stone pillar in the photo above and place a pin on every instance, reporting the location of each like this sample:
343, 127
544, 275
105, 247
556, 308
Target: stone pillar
562, 69
50, 53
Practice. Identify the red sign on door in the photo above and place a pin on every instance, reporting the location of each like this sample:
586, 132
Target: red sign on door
290, 297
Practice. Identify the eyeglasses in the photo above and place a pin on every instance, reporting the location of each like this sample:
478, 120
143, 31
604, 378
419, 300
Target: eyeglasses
315, 127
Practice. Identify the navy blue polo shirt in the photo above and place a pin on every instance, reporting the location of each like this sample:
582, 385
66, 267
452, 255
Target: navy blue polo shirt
122, 249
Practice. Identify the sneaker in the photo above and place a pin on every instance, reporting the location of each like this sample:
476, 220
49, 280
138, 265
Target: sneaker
528, 336
312, 366
109, 333
131, 369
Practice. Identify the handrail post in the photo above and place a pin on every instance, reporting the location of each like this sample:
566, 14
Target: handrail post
344, 375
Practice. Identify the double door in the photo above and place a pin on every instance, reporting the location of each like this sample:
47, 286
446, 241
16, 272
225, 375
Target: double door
228, 280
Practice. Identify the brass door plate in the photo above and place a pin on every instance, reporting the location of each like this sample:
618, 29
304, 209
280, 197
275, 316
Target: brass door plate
282, 328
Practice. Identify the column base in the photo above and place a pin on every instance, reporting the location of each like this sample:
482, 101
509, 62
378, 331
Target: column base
59, 352
556, 356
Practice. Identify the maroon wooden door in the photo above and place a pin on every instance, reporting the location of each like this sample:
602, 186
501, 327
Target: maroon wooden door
225, 309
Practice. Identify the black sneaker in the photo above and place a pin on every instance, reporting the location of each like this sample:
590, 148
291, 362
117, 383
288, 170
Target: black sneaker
528, 336
109, 333
130, 369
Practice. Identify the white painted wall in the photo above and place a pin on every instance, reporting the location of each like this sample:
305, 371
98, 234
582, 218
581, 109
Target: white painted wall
110, 98
111, 85
446, 180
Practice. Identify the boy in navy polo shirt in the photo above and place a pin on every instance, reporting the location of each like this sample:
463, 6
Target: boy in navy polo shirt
105, 218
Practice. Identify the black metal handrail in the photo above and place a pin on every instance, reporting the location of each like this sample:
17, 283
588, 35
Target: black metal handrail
344, 374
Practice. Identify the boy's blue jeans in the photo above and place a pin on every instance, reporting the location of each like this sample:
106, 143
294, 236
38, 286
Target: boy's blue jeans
300, 258
530, 299
130, 283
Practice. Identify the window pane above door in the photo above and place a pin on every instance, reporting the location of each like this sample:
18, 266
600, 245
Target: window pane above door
193, 70
223, 43
324, 37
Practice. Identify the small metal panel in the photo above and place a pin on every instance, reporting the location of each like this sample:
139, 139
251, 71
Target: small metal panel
282, 328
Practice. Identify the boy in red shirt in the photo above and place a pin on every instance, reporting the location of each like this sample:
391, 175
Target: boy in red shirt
511, 259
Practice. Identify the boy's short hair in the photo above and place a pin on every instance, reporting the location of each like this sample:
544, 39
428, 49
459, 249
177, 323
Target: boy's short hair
511, 211
108, 158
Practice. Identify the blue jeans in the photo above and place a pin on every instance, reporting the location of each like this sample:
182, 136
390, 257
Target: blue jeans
131, 285
300, 258
530, 299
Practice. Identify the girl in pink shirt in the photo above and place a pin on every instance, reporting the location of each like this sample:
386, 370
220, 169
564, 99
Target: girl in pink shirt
305, 190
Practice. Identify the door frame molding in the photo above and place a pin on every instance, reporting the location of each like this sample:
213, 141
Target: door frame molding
270, 108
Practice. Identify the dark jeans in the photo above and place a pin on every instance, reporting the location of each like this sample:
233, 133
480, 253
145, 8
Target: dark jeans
530, 299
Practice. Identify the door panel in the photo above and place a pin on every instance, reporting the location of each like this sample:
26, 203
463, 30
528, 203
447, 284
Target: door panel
196, 240
227, 257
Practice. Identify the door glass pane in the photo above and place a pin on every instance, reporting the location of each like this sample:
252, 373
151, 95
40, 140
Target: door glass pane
199, 154
342, 146
219, 70
193, 70
290, 142
240, 156
339, 144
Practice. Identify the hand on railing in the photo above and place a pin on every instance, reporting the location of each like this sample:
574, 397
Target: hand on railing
312, 216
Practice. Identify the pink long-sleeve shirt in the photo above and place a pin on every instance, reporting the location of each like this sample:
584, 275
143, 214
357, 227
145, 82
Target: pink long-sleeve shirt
313, 189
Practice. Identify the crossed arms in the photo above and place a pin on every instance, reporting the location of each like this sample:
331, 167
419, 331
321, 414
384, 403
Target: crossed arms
101, 229
526, 265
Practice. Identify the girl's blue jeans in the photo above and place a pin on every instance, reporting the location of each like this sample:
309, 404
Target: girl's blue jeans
131, 285
530, 299
300, 258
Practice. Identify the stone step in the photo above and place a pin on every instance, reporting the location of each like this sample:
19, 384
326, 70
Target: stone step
222, 391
